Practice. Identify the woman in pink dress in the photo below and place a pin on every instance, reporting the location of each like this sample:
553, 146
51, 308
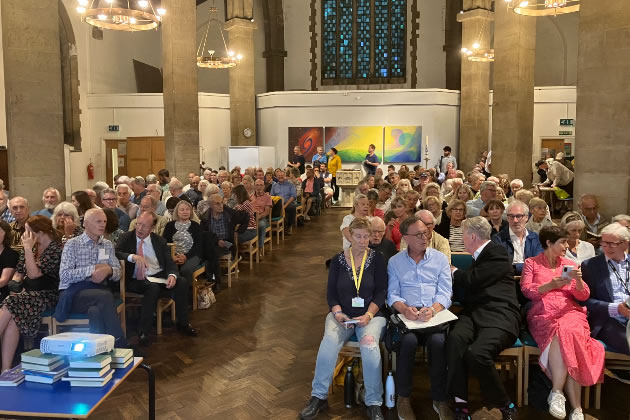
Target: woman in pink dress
569, 356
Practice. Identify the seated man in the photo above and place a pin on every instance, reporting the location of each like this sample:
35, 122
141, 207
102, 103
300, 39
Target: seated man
488, 324
487, 192
20, 211
286, 190
607, 278
154, 191
419, 287
108, 198
86, 262
384, 196
311, 190
124, 201
518, 242
378, 242
148, 255
50, 199
593, 221
221, 220
435, 240
150, 204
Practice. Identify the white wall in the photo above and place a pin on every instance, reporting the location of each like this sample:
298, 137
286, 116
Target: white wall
431, 60
556, 50
297, 43
436, 110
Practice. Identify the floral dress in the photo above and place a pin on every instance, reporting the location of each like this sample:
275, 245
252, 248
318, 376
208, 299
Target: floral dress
39, 294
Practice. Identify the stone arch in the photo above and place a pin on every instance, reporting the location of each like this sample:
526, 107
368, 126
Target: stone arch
69, 81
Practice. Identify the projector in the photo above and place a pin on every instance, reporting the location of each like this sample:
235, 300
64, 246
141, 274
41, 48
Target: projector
77, 344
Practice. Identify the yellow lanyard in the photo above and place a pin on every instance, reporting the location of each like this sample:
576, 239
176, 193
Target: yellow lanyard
357, 282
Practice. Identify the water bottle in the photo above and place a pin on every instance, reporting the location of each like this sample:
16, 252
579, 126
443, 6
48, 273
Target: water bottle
348, 388
390, 391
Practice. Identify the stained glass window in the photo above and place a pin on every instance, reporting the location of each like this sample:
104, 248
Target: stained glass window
363, 41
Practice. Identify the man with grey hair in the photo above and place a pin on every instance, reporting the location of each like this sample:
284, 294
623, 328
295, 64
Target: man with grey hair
622, 219
155, 191
435, 240
98, 189
138, 188
151, 179
487, 192
124, 201
108, 198
519, 243
607, 276
50, 199
20, 210
378, 242
488, 323
150, 204
123, 179
589, 210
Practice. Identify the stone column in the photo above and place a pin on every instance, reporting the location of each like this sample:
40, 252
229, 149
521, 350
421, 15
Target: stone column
602, 145
179, 72
34, 110
475, 88
513, 103
242, 87
274, 53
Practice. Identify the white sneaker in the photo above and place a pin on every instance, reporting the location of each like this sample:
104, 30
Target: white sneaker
556, 401
307, 218
576, 414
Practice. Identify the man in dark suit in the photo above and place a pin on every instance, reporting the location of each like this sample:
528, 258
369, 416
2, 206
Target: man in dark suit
488, 324
148, 255
608, 278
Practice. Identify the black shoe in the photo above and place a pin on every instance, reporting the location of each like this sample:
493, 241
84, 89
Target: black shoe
143, 339
510, 413
374, 412
187, 330
315, 405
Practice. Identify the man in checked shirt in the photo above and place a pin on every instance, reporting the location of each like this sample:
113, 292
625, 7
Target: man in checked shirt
86, 263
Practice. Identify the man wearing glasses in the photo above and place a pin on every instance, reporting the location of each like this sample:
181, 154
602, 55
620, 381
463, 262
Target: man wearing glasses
384, 197
608, 278
109, 200
519, 243
420, 286
434, 239
487, 192
378, 242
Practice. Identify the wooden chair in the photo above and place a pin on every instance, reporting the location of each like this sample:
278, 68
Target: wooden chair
516, 353
299, 210
269, 238
530, 349
250, 247
352, 349
82, 321
277, 224
618, 361
47, 320
230, 262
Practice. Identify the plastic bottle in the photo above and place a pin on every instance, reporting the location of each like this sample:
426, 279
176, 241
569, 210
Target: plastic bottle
348, 388
390, 391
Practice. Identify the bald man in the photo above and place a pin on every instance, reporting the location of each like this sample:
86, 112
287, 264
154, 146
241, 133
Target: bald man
20, 211
87, 263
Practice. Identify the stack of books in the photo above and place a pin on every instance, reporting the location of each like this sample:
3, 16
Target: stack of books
43, 368
12, 377
92, 371
121, 358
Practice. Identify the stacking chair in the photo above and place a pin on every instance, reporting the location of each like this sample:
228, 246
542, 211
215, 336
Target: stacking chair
613, 360
299, 210
250, 247
230, 262
516, 353
277, 223
351, 349
461, 260
268, 238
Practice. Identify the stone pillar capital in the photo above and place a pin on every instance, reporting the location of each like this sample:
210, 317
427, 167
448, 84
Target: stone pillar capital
475, 14
238, 23
477, 4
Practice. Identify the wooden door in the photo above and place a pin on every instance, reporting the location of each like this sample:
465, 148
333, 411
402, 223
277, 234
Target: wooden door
115, 159
145, 155
4, 168
551, 147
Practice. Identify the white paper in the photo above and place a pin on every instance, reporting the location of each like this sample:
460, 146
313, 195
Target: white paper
102, 254
440, 318
157, 280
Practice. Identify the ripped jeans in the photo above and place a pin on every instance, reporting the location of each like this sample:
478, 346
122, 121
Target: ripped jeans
335, 336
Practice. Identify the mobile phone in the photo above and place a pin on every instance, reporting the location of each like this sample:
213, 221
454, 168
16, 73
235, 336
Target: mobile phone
351, 321
227, 244
566, 271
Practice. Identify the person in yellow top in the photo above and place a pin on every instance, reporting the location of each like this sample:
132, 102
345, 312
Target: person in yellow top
334, 164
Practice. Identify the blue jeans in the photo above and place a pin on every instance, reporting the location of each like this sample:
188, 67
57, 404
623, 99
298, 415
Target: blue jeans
262, 225
335, 335
248, 235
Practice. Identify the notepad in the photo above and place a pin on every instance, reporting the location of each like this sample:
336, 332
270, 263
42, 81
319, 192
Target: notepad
440, 318
157, 280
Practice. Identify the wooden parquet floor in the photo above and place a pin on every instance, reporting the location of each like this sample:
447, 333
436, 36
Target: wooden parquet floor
255, 354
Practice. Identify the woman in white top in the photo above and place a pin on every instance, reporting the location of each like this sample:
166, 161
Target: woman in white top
360, 208
540, 217
578, 251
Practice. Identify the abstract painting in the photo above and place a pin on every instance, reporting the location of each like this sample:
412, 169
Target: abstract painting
352, 142
403, 144
308, 138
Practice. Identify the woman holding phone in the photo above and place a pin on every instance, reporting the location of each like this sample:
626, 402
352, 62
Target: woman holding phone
357, 287
569, 356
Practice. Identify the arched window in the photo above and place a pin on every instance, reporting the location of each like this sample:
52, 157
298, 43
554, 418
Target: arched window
363, 41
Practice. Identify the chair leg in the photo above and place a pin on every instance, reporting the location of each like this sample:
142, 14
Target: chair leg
123, 321
587, 397
526, 379
194, 295
173, 313
159, 320
598, 396
519, 379
251, 257
229, 269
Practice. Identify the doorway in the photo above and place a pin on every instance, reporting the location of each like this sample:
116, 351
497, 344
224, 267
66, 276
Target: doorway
549, 147
134, 156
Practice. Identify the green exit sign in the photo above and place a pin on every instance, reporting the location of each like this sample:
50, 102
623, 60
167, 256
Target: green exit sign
567, 121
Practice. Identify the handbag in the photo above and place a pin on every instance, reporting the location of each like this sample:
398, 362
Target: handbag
205, 297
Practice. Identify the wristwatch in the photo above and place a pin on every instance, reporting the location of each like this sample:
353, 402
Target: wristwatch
433, 311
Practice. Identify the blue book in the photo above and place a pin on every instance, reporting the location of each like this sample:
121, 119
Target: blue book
12, 377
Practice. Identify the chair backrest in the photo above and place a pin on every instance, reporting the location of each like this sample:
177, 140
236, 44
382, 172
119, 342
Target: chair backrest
461, 260
122, 282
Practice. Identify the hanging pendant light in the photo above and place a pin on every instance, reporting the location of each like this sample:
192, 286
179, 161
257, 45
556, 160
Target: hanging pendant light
543, 7
121, 15
209, 59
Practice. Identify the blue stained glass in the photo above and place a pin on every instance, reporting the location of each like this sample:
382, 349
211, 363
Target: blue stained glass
345, 8
329, 44
397, 37
363, 32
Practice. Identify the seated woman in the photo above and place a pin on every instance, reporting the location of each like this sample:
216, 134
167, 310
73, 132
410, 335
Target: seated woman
171, 203
402, 187
185, 233
228, 198
204, 204
356, 296
494, 209
360, 209
236, 179
451, 225
434, 205
399, 212
431, 190
268, 181
66, 220
577, 250
248, 183
540, 217
462, 193
37, 273
82, 202
112, 228
246, 205
372, 197
8, 259
569, 356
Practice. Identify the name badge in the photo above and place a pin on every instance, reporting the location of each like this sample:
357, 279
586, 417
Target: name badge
102, 254
358, 302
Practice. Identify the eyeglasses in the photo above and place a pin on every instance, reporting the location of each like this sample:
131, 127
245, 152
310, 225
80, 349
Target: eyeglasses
611, 244
108, 199
458, 210
420, 235
378, 232
515, 216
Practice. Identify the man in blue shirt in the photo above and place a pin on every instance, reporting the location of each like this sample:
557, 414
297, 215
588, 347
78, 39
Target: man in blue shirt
371, 161
420, 286
320, 157
50, 199
286, 190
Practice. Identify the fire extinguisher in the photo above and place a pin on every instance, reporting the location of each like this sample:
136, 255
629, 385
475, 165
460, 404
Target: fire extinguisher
90, 171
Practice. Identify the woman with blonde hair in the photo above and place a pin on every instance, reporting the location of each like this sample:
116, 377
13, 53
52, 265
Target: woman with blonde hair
577, 250
403, 186
434, 205
360, 208
66, 220
399, 212
451, 225
462, 193
185, 233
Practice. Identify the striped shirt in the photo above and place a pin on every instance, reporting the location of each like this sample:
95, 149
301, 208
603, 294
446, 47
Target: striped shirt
80, 255
455, 239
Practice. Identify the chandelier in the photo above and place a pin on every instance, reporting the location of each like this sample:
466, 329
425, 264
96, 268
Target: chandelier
543, 7
121, 15
211, 60
475, 53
